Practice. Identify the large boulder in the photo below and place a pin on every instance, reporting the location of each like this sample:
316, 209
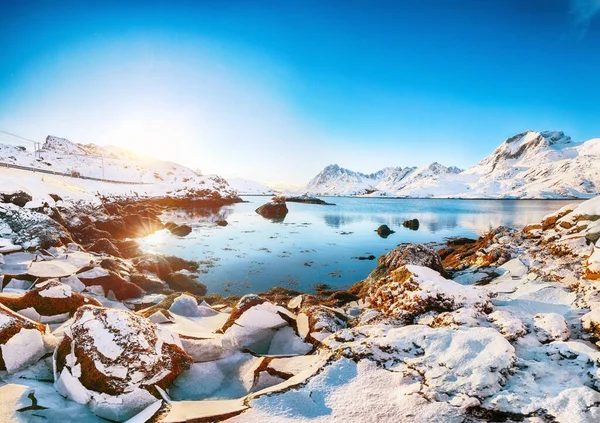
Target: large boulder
411, 291
275, 209
404, 254
115, 360
21, 340
48, 302
412, 254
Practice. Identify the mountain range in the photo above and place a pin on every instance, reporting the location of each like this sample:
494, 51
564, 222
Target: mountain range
530, 164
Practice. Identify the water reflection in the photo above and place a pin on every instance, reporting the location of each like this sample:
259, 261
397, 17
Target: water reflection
320, 244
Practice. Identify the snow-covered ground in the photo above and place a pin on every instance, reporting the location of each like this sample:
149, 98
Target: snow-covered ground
528, 165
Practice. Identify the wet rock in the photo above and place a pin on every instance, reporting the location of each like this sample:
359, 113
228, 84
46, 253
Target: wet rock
115, 359
222, 222
371, 257
412, 224
384, 231
182, 282
19, 198
55, 197
276, 209
181, 230
170, 225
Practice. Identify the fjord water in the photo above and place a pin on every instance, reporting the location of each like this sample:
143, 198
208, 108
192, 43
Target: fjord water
317, 244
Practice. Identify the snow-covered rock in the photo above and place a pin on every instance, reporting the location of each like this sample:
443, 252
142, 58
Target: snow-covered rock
510, 326
21, 340
414, 290
47, 302
115, 360
550, 327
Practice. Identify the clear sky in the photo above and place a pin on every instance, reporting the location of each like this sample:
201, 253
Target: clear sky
275, 90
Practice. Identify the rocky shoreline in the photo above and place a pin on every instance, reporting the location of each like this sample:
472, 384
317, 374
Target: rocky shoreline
502, 328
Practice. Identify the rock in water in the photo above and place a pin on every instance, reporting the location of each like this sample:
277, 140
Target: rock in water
276, 209
181, 230
384, 231
412, 224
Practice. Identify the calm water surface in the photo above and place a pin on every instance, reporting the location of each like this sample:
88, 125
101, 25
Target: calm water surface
319, 244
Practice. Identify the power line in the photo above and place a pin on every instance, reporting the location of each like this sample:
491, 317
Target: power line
17, 136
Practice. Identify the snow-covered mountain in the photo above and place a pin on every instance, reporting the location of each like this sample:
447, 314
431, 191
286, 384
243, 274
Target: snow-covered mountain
247, 187
140, 174
530, 164
334, 180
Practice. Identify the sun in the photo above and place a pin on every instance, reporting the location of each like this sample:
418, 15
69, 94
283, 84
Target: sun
150, 134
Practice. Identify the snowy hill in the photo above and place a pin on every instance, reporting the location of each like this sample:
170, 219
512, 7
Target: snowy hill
247, 187
528, 165
140, 175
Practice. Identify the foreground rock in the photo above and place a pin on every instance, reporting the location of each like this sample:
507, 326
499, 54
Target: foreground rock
21, 340
115, 360
411, 291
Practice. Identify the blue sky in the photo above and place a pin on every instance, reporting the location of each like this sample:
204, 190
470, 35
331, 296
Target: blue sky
274, 91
